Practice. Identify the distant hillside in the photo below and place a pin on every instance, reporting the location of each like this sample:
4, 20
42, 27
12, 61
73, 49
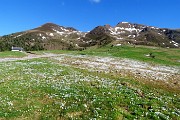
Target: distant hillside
98, 36
137, 34
46, 37
51, 36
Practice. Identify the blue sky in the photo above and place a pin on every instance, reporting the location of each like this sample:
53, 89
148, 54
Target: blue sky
84, 15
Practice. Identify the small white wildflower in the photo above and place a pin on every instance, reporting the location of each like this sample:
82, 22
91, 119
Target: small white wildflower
85, 105
10, 103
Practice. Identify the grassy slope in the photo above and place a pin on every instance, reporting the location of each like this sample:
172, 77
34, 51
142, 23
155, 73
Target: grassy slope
43, 89
11, 54
163, 56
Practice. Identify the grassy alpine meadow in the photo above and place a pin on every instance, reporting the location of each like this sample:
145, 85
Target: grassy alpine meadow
164, 56
12, 54
44, 89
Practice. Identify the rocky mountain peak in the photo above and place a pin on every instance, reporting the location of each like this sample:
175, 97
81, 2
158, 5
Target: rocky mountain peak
99, 30
51, 27
123, 24
47, 27
108, 26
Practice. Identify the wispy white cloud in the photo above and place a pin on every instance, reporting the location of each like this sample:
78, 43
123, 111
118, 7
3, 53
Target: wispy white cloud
96, 1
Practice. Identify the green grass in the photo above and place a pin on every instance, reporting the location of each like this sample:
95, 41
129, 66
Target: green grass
163, 56
44, 89
11, 54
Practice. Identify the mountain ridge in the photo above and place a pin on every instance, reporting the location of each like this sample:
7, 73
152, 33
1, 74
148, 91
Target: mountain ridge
51, 36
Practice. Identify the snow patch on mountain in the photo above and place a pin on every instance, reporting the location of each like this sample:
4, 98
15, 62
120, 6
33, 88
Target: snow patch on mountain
124, 22
51, 34
175, 43
43, 37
